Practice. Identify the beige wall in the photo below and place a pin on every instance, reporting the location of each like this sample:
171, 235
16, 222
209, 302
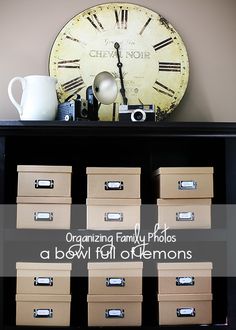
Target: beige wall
29, 27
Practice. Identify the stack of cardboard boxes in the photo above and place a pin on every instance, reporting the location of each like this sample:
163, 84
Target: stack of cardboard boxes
184, 289
43, 294
113, 201
115, 294
44, 197
184, 197
115, 288
184, 293
43, 202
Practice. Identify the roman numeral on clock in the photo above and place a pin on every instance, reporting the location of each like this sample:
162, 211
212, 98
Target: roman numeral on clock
161, 88
162, 44
169, 66
69, 64
145, 25
93, 19
121, 17
71, 38
75, 84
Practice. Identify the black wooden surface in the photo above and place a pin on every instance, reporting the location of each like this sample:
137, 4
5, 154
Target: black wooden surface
164, 128
2, 195
148, 145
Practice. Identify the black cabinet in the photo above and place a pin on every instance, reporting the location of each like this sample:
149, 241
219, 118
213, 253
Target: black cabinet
145, 145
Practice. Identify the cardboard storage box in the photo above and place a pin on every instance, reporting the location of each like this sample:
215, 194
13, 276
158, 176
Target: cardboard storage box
112, 278
113, 182
184, 213
43, 278
113, 214
37, 180
185, 309
184, 182
43, 310
43, 212
184, 277
114, 310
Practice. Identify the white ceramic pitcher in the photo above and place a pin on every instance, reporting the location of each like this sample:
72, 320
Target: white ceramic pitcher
39, 98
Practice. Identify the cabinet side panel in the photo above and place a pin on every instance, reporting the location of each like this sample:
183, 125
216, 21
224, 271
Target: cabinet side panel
2, 175
230, 159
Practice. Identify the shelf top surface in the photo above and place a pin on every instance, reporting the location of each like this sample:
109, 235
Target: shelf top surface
81, 128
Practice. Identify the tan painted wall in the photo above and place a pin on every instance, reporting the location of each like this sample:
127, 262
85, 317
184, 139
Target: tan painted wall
29, 27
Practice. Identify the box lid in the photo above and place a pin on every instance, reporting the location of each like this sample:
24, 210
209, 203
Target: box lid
184, 297
115, 265
113, 202
186, 201
114, 298
113, 170
184, 170
43, 297
43, 265
184, 265
44, 200
44, 168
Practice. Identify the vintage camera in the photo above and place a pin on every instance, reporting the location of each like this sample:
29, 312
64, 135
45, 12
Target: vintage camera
76, 109
137, 113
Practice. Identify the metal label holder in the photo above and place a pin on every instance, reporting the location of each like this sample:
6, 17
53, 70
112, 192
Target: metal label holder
44, 184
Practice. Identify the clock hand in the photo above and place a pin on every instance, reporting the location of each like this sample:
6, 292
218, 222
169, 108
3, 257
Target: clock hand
119, 64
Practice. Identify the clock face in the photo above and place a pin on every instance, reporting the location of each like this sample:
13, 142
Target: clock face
155, 62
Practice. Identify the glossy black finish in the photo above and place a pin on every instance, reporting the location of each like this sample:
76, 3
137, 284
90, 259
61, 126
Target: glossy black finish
163, 128
148, 145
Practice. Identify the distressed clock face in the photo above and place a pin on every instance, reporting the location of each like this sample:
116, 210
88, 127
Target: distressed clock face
155, 61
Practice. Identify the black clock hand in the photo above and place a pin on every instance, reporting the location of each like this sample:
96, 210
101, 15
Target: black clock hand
119, 64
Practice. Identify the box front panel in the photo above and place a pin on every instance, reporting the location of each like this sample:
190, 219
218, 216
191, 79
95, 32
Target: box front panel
186, 186
43, 282
184, 281
113, 186
184, 217
112, 217
43, 313
112, 282
114, 314
185, 312
44, 184
43, 216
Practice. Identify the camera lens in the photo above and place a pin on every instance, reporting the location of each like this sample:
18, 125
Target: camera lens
84, 113
138, 115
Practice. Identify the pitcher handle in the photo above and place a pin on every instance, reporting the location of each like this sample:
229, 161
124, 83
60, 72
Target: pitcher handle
16, 104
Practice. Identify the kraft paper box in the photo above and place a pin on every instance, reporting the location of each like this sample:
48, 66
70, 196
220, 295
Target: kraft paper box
114, 310
184, 277
184, 213
43, 212
113, 214
184, 182
36, 180
185, 309
43, 278
43, 310
112, 278
113, 182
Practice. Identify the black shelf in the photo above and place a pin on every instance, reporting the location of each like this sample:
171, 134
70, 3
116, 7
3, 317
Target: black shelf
147, 129
147, 145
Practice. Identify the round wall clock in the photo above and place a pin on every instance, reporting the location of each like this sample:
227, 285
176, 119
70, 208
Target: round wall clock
155, 62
